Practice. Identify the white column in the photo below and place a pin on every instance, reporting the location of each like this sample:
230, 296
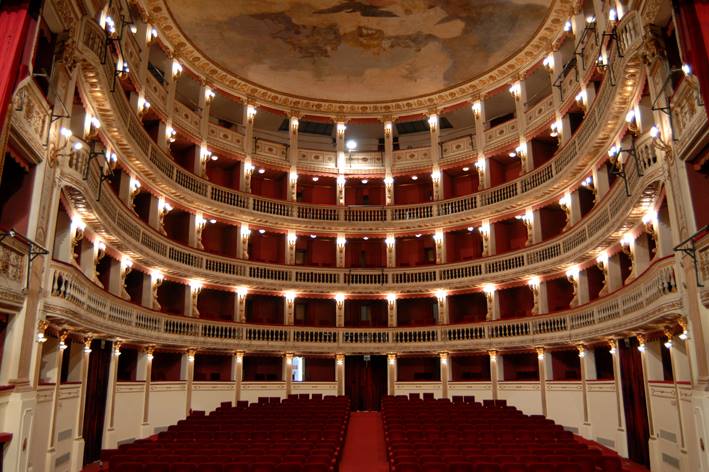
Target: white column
442, 303
340, 247
109, 439
445, 373
237, 374
492, 297
391, 310
440, 241
340, 310
435, 152
145, 369
388, 160
495, 372
291, 240
77, 445
242, 244
478, 108
541, 359
240, 304
191, 300
340, 373
391, 374
289, 308
187, 374
288, 372
51, 444
586, 359
390, 242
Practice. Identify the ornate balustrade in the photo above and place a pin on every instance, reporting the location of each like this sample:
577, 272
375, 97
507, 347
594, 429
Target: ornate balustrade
121, 228
650, 299
13, 273
574, 160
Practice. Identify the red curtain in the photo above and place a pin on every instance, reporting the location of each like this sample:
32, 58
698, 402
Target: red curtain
365, 381
692, 19
636, 421
17, 23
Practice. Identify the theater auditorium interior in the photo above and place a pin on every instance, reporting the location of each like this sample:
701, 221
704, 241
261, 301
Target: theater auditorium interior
354, 235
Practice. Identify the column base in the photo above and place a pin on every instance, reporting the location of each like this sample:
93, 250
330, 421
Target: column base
49, 460
655, 454
77, 455
109, 439
621, 442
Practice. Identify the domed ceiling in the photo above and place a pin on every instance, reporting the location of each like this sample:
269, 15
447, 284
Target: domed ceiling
358, 51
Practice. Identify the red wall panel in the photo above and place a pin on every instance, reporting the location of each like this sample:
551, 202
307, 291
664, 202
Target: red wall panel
214, 368
361, 253
463, 246
467, 308
470, 368
267, 247
263, 368
371, 193
559, 293
317, 312
412, 369
566, 365
166, 367
522, 366
378, 313
264, 309
415, 311
515, 302
319, 369
216, 304
413, 192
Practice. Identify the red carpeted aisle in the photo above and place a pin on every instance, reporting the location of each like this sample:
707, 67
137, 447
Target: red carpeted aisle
365, 448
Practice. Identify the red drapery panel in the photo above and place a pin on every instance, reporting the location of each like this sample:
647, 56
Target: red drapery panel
693, 24
636, 420
15, 22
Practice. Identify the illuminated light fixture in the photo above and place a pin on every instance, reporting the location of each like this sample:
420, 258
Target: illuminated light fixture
390, 240
418, 235
436, 175
153, 33
365, 181
587, 182
554, 129
414, 177
341, 179
341, 240
340, 361
515, 90
190, 357
143, 105
581, 96
289, 295
590, 19
110, 25
171, 134
176, 69
630, 116
262, 171
78, 146
117, 350
41, 337
351, 145
292, 238
534, 281
87, 349
212, 220
242, 291
567, 26
433, 121
366, 238
315, 179
150, 357
668, 344
684, 335
602, 258
195, 284
612, 14
466, 169
480, 163
261, 231
613, 151
540, 354
214, 157
313, 236
245, 232
565, 201
250, 112
601, 61
641, 347
341, 127
470, 229
156, 275
582, 352
441, 294
476, 108
612, 350
687, 69
548, 62
339, 297
293, 176
391, 297
392, 359
133, 29
573, 272
655, 132
512, 154
438, 236
388, 180
489, 288
66, 132
209, 94
95, 123
62, 345
444, 359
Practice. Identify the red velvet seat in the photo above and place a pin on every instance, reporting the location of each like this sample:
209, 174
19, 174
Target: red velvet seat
289, 467
487, 467
611, 464
123, 466
210, 467
433, 467
516, 467
184, 467
158, 466
236, 467
317, 468
407, 467
540, 467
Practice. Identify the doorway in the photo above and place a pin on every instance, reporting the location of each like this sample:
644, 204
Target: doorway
365, 381
96, 395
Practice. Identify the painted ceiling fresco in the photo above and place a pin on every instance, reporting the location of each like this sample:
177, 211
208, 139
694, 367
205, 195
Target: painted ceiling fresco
373, 50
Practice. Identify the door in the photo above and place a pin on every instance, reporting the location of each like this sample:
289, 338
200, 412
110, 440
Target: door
96, 394
365, 381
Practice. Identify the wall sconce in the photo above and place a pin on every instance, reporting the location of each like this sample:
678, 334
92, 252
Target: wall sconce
76, 230
489, 289
163, 209
294, 124
171, 134
392, 359
590, 20
444, 358
117, 347
209, 95
153, 35
582, 351
612, 15
658, 142
156, 280
242, 291
477, 108
341, 241
534, 282
650, 223
250, 114
133, 188
436, 176
548, 63
630, 120
341, 180
190, 355
390, 241
293, 176
340, 299
391, 298
143, 106
433, 122
292, 239
516, 90
493, 355
540, 353
176, 69
195, 290
341, 128
42, 326
340, 359
685, 333
626, 243
389, 181
290, 297
441, 295
612, 346
602, 61
388, 129
641, 342
669, 335
100, 251
567, 26
581, 98
87, 344
149, 353
572, 274
554, 129
239, 357
438, 236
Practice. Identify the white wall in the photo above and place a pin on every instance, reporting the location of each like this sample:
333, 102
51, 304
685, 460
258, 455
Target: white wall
565, 404
404, 388
207, 396
128, 411
40, 428
667, 425
251, 391
526, 396
603, 415
167, 404
323, 388
481, 390
67, 409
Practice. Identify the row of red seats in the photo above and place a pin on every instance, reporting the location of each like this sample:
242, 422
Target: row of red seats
490, 437
296, 435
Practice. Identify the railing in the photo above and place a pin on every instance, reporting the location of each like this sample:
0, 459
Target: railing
150, 248
651, 296
556, 175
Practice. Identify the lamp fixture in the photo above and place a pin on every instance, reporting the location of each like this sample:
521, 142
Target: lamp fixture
262, 171
567, 26
351, 145
414, 177
466, 169
365, 181
261, 231
316, 178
